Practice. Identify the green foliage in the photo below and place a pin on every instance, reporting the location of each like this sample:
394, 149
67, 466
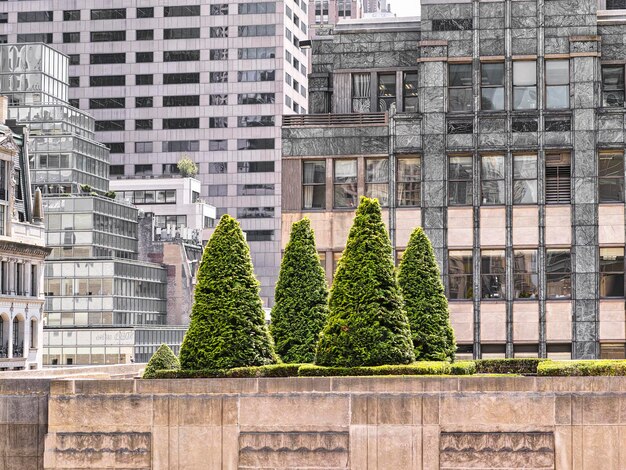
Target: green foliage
227, 327
417, 368
273, 370
85, 188
163, 359
110, 194
463, 368
508, 366
366, 325
301, 294
424, 301
582, 368
187, 167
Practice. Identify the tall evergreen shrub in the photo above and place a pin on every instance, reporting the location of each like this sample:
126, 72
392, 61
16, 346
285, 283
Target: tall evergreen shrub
424, 301
163, 359
366, 325
301, 298
227, 327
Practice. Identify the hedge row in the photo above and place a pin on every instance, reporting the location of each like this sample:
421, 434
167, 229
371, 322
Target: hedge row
581, 368
525, 366
273, 370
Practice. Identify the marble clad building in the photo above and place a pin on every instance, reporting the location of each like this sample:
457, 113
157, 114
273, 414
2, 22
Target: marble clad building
499, 127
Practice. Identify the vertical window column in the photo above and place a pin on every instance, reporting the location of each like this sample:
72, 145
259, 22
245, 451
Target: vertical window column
492, 274
460, 275
525, 274
524, 85
492, 86
460, 181
557, 84
314, 185
386, 91
410, 91
492, 179
409, 181
345, 184
613, 86
377, 179
460, 93
558, 273
524, 179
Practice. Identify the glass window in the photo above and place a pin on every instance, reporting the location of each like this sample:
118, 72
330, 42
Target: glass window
492, 179
492, 86
71, 37
558, 273
108, 36
612, 272
460, 96
219, 9
108, 14
524, 179
146, 79
525, 274
255, 167
409, 181
377, 179
345, 183
525, 85
558, 178
34, 16
217, 145
218, 54
460, 275
146, 12
492, 274
218, 32
613, 85
386, 91
181, 33
143, 101
460, 181
314, 185
218, 168
410, 88
361, 92
71, 15
557, 84
181, 56
180, 78
611, 176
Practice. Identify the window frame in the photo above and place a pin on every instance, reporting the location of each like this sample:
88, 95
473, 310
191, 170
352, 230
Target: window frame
314, 185
465, 258
605, 273
347, 186
373, 185
524, 86
525, 179
620, 90
455, 181
491, 87
553, 83
495, 270
555, 274
454, 89
604, 179
525, 281
487, 180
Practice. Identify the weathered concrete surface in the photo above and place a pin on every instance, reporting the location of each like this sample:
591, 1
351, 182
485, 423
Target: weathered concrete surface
371, 423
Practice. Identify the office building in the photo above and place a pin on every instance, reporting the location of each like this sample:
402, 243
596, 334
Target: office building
499, 128
324, 15
186, 78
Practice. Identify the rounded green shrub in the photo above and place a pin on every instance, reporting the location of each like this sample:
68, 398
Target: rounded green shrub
163, 359
366, 325
301, 298
424, 301
227, 327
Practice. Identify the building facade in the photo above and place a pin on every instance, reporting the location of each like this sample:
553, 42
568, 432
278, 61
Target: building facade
499, 128
177, 77
324, 15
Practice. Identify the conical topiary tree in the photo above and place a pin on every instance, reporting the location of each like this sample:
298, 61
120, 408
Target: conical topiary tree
366, 323
163, 359
301, 298
424, 300
227, 327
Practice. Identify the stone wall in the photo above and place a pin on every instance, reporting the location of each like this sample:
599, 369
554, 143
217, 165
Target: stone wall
338, 423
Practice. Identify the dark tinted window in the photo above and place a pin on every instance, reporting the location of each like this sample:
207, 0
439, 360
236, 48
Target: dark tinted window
119, 58
181, 123
188, 10
108, 80
107, 36
108, 14
180, 56
181, 33
176, 78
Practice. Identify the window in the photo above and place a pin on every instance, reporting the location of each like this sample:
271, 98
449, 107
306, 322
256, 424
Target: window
181, 123
613, 85
492, 86
71, 15
615, 4
118, 58
218, 122
218, 32
255, 144
110, 125
256, 53
460, 126
492, 179
558, 123
558, 274
218, 145
524, 179
74, 59
116, 170
361, 92
345, 183
181, 33
146, 79
218, 77
218, 54
525, 274
143, 170
107, 103
143, 124
557, 84
456, 24
144, 34
255, 212
314, 184
218, 100
460, 181
410, 88
142, 57
612, 272
377, 179
460, 94
108, 14
460, 275
146, 12
219, 9
256, 30
524, 125
170, 169
256, 98
255, 121
143, 102
71, 37
181, 146
255, 167
256, 8
180, 78
34, 16
217, 168
108, 36
558, 182
34, 37
180, 56
143, 147
115, 147
492, 274
74, 82
218, 190
611, 176
321, 11
409, 181
256, 76
255, 190
74, 102
181, 100
525, 85
188, 10
386, 91
259, 235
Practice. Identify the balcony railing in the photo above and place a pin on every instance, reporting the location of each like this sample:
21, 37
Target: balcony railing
318, 120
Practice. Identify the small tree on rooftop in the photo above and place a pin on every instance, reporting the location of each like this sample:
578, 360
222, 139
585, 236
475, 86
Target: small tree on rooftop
424, 300
227, 327
301, 298
163, 359
187, 167
366, 325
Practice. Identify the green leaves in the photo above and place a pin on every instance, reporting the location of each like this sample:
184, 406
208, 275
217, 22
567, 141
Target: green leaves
227, 327
301, 297
367, 325
163, 359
